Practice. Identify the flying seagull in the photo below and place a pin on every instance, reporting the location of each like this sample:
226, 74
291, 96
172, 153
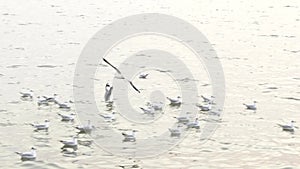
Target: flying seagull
132, 85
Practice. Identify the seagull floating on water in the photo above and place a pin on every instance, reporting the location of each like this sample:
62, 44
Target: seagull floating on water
195, 124
176, 101
63, 106
67, 117
148, 110
251, 106
70, 143
143, 76
27, 96
85, 128
129, 137
205, 107
206, 99
108, 91
42, 102
288, 127
156, 105
109, 117
28, 155
51, 99
182, 119
44, 126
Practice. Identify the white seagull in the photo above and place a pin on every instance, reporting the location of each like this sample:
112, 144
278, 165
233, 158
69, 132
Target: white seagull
176, 101
156, 105
67, 117
195, 124
85, 128
108, 91
70, 143
251, 106
182, 119
44, 126
63, 106
27, 96
42, 102
143, 76
148, 110
109, 117
28, 155
205, 107
206, 99
129, 137
51, 99
288, 127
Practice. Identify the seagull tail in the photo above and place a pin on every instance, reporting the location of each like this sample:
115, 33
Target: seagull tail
17, 152
280, 125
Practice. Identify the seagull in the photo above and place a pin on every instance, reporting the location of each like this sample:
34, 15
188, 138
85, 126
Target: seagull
85, 128
28, 155
182, 119
70, 143
119, 72
251, 106
27, 96
109, 117
156, 106
108, 90
42, 102
288, 127
44, 126
50, 99
176, 101
69, 117
175, 132
206, 99
205, 107
194, 124
129, 137
62, 106
143, 76
149, 110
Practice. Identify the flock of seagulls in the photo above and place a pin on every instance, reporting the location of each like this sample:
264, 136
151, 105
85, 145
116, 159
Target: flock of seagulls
44, 101
130, 136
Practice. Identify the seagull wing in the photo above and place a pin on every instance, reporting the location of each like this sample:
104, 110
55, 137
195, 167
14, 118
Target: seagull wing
112, 66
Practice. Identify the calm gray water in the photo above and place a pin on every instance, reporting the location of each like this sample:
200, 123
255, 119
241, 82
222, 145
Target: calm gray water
258, 46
